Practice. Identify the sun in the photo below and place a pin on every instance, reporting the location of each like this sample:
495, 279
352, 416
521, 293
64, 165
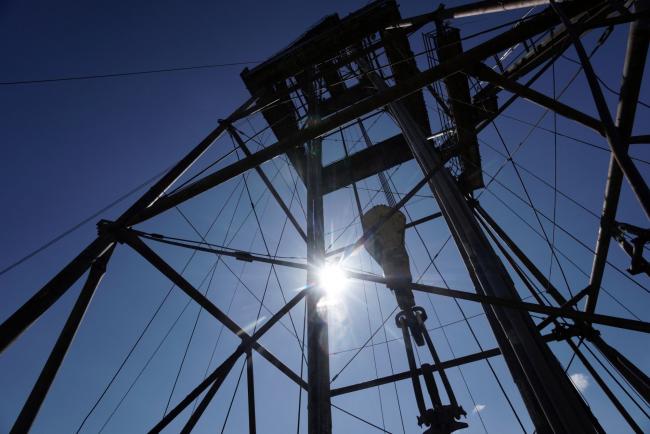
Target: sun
333, 281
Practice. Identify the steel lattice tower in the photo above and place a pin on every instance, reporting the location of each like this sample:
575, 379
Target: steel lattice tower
342, 74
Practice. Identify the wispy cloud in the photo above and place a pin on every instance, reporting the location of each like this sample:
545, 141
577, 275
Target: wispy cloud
478, 408
580, 381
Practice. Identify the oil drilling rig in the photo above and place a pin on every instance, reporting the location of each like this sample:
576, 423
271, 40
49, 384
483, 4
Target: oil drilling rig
341, 74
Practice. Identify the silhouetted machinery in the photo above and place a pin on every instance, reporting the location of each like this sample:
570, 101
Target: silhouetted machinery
387, 247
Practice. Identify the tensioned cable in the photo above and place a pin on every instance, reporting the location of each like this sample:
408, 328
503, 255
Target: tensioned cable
390, 360
221, 328
274, 256
618, 383
641, 398
151, 357
302, 366
146, 328
432, 262
543, 181
530, 202
173, 325
252, 138
125, 74
605, 85
550, 267
365, 297
559, 192
214, 163
198, 314
232, 400
364, 345
374, 356
563, 254
294, 191
576, 239
82, 222
259, 311
359, 418
135, 344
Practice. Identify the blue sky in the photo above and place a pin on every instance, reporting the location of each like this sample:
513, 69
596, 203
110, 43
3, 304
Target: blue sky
71, 147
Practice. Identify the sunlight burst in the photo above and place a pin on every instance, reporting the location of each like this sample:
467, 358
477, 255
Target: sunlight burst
333, 282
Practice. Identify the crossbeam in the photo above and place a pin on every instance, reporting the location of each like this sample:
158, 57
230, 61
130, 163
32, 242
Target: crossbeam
564, 312
458, 361
419, 80
145, 251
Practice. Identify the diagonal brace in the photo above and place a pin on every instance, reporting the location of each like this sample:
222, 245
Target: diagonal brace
138, 245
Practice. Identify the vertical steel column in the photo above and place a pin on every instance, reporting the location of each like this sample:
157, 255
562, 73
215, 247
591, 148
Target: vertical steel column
635, 58
551, 399
48, 373
318, 370
614, 137
250, 383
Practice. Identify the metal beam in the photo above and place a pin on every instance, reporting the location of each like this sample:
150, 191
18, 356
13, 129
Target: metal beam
33, 404
551, 399
250, 383
154, 193
318, 370
428, 218
468, 10
367, 162
616, 141
268, 184
640, 326
644, 139
608, 392
536, 272
484, 73
203, 405
29, 312
215, 379
635, 58
635, 377
563, 311
132, 240
476, 54
459, 361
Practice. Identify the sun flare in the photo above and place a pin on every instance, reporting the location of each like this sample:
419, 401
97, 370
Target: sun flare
333, 282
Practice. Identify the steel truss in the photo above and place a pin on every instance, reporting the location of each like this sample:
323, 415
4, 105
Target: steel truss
552, 402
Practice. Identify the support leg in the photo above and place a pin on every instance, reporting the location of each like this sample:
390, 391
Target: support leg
48, 373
